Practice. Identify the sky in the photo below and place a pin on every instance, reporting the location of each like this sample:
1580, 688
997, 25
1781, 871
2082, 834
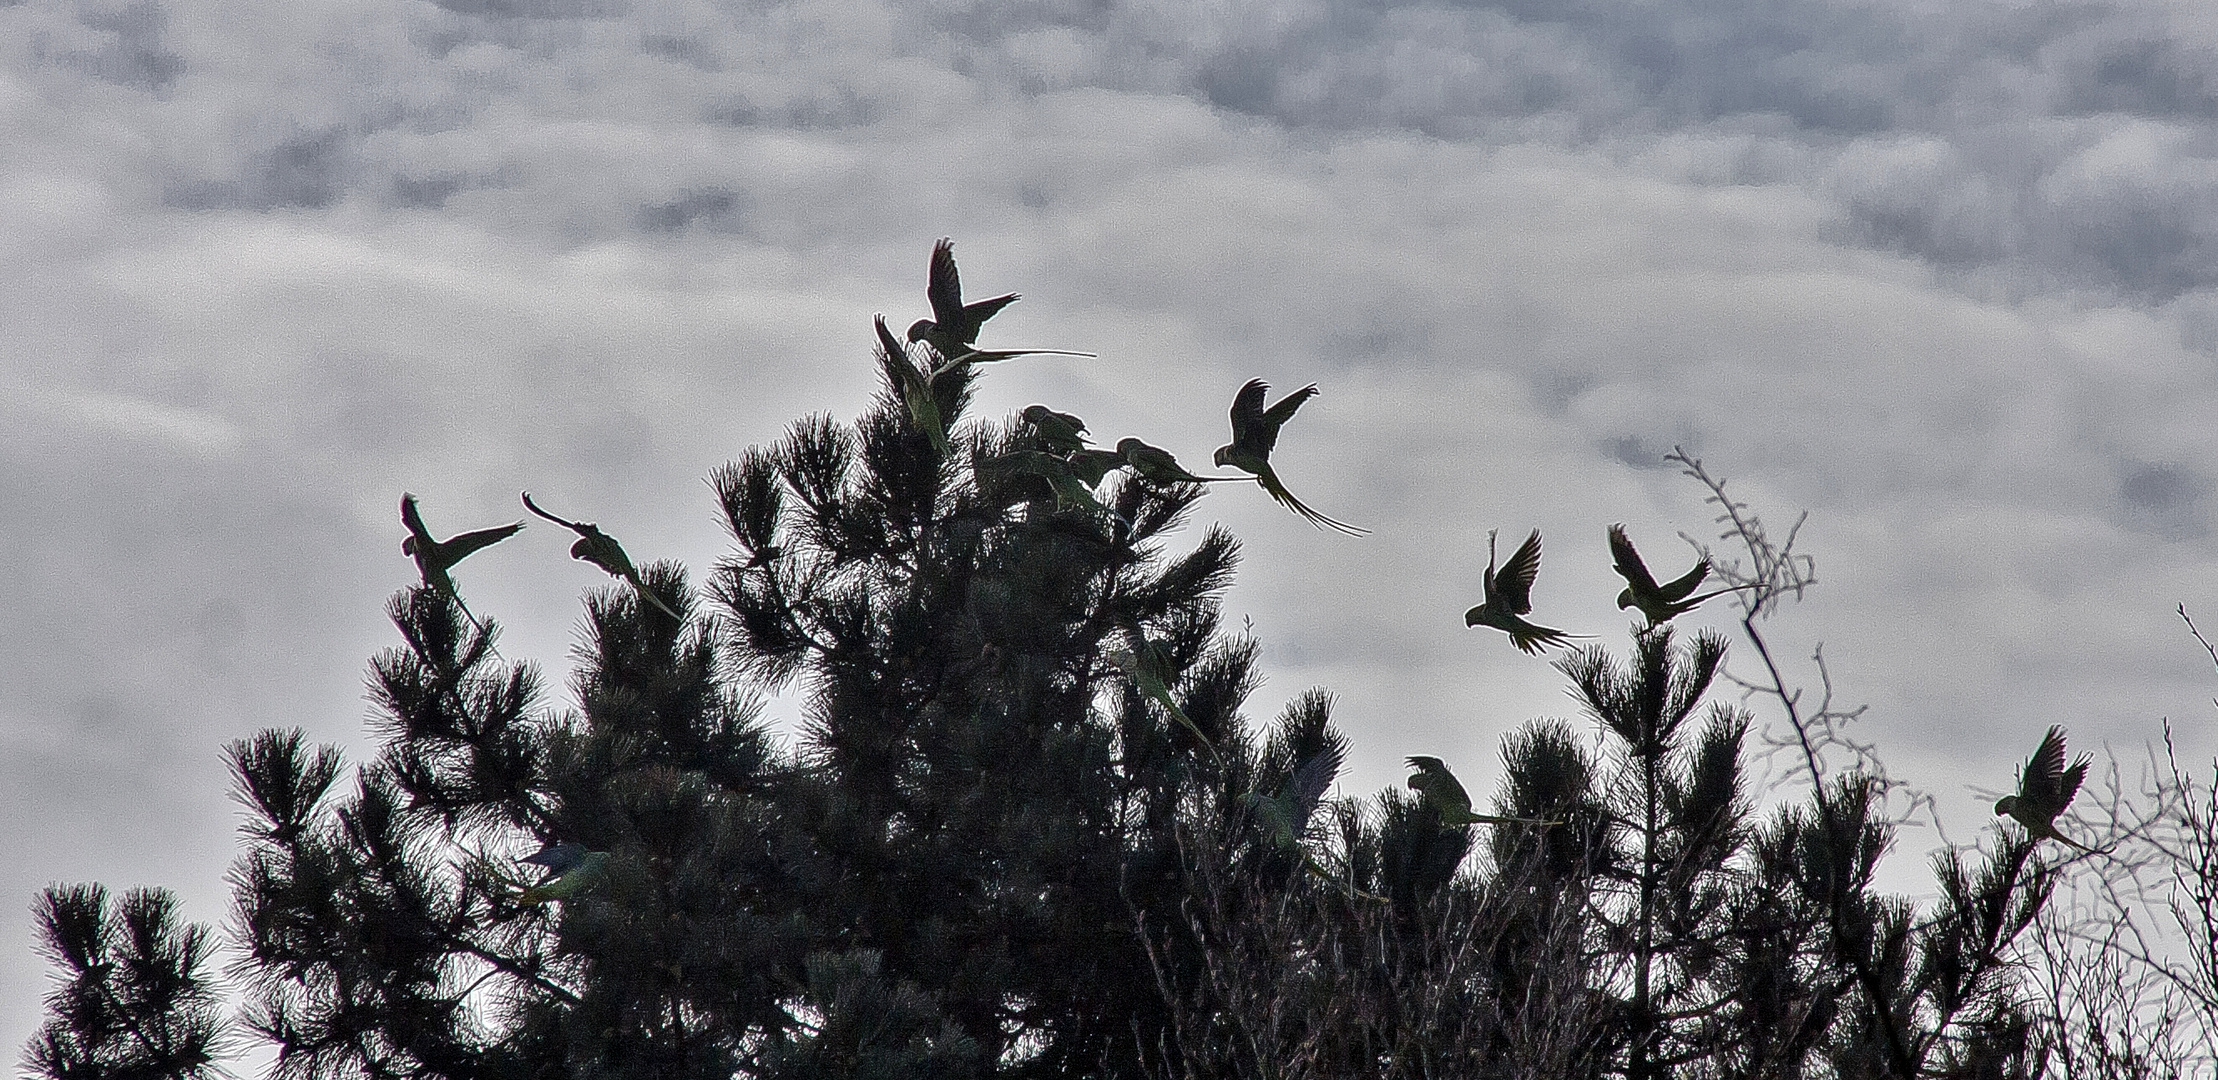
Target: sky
1942, 274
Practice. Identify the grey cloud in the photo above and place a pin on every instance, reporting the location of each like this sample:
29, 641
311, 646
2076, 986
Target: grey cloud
2167, 499
136, 51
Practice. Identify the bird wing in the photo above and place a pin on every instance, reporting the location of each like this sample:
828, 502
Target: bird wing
1440, 785
2068, 786
577, 527
1629, 566
1680, 587
1513, 583
1277, 415
976, 314
1311, 780
945, 287
412, 519
2042, 782
1248, 428
457, 548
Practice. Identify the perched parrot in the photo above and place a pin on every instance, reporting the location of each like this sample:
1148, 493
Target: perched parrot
555, 857
602, 550
1659, 602
916, 387
1150, 670
1071, 490
1438, 789
1156, 464
434, 558
1509, 594
1090, 465
2045, 788
953, 328
583, 869
1062, 431
1255, 432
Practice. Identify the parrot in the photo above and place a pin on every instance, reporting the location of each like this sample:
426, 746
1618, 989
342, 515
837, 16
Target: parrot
434, 558
2045, 788
1434, 784
1661, 603
1255, 432
1509, 595
602, 550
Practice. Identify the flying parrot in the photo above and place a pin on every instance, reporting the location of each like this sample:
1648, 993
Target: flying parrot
434, 558
1438, 789
602, 550
1284, 814
1255, 432
2045, 788
952, 331
1509, 595
1659, 602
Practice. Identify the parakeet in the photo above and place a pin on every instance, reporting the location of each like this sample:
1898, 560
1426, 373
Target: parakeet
915, 386
434, 558
1509, 595
1071, 490
1156, 464
1438, 788
1061, 431
602, 550
586, 871
953, 328
1661, 603
1255, 432
2045, 789
1150, 670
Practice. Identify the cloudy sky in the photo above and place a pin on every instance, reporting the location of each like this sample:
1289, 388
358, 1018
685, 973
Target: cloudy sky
1943, 273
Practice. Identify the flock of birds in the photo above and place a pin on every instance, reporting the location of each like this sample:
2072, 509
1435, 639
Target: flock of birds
1073, 468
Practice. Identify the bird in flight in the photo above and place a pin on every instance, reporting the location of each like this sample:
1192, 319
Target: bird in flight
1659, 602
1438, 789
1284, 814
953, 328
2045, 788
1509, 594
602, 550
435, 558
1255, 432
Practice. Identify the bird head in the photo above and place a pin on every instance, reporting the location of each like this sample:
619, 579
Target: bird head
408, 545
2004, 805
1471, 617
1223, 456
919, 328
583, 549
1624, 599
1128, 446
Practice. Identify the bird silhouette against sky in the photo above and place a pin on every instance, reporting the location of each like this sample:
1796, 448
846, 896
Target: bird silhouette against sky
602, 550
435, 558
1661, 603
1255, 434
1509, 595
2045, 788
1439, 790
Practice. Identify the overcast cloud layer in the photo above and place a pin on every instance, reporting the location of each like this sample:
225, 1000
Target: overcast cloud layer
1943, 274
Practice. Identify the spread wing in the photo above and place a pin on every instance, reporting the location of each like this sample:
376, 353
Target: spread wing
1312, 780
412, 519
1629, 566
2042, 783
457, 548
945, 288
1277, 416
1513, 583
1681, 587
976, 314
1249, 430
